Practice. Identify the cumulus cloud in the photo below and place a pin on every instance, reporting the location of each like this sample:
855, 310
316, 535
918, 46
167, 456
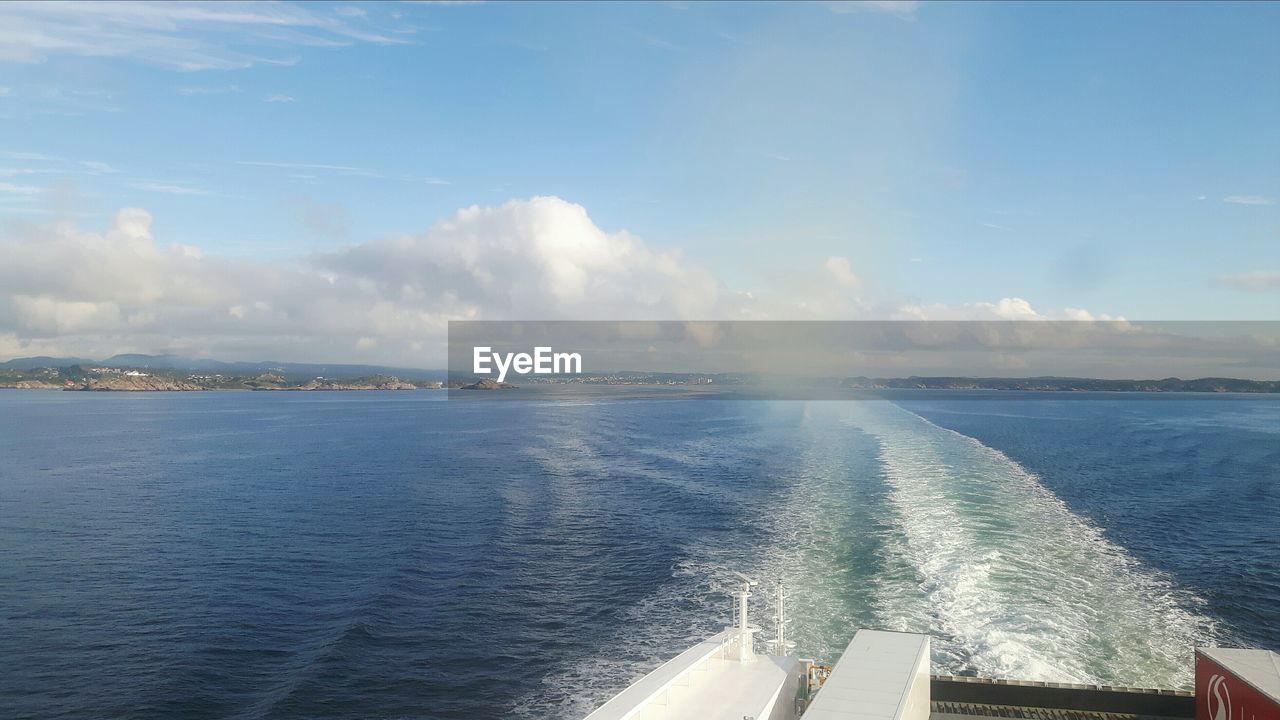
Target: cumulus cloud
840, 269
85, 293
1005, 309
68, 291
537, 259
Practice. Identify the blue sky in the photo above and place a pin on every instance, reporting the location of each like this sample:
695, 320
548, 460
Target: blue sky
1122, 159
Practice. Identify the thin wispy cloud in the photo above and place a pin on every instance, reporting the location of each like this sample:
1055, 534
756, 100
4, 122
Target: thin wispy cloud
1248, 200
41, 164
654, 41
1256, 280
98, 168
209, 90
279, 99
12, 189
183, 36
308, 171
168, 188
340, 169
905, 9
38, 157
17, 171
60, 100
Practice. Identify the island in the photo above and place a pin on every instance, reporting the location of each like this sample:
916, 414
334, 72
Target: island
488, 384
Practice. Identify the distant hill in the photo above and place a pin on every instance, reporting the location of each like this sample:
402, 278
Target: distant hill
41, 361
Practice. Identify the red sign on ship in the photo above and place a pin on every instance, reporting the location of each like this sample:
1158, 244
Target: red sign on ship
1223, 695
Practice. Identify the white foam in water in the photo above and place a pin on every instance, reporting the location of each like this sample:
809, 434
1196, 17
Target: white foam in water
1019, 586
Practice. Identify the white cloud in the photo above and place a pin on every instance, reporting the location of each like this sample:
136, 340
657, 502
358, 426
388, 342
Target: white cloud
1014, 308
1248, 200
1256, 280
4, 92
67, 291
279, 99
179, 35
74, 292
839, 268
535, 259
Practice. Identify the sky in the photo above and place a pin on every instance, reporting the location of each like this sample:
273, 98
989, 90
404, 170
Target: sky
335, 182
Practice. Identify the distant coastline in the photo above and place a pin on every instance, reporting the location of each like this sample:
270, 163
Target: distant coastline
141, 373
145, 373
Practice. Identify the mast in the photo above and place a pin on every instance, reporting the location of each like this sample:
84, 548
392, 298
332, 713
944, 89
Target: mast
780, 643
746, 643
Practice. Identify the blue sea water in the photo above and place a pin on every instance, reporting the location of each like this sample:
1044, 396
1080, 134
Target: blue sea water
395, 555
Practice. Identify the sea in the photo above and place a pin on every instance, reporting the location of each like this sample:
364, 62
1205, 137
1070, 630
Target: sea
401, 555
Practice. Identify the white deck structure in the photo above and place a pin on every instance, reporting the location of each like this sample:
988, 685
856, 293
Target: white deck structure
880, 676
709, 682
720, 678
